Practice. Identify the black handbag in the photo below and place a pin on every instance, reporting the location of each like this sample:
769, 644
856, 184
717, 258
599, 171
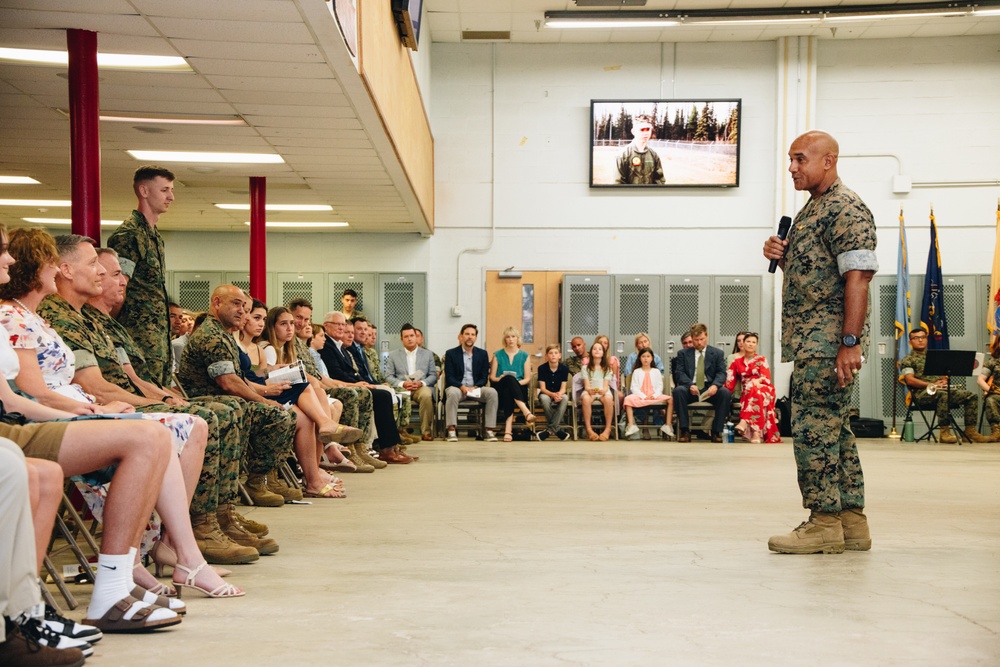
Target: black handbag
15, 418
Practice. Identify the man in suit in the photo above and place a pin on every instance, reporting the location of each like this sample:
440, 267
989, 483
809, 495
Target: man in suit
701, 369
466, 371
341, 366
412, 369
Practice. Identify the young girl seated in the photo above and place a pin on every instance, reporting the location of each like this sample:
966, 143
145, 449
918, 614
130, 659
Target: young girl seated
647, 389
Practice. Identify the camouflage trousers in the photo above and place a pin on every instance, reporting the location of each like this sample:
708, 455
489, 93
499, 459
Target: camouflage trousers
826, 456
266, 435
158, 364
357, 408
991, 406
404, 413
956, 397
220, 467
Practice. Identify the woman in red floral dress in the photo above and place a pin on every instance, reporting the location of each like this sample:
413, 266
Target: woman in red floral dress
757, 418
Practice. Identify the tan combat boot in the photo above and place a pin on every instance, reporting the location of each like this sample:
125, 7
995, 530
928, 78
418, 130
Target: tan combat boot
258, 529
856, 535
215, 546
821, 533
974, 435
946, 437
361, 450
277, 484
256, 487
994, 432
234, 530
359, 463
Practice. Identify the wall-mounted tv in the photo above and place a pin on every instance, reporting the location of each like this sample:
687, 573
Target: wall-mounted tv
664, 143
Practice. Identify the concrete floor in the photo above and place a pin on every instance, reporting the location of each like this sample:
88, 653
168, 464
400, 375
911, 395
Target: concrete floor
645, 553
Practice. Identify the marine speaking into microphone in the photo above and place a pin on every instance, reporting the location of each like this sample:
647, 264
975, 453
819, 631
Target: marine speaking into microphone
783, 226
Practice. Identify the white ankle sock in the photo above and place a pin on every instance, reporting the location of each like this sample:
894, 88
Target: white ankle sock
112, 582
132, 553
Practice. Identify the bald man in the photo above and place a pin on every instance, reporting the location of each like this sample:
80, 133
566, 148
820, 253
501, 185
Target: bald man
828, 260
210, 366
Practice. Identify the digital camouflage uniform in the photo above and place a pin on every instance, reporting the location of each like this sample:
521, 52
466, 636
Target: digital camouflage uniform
832, 234
357, 402
219, 479
635, 168
267, 432
574, 364
145, 313
92, 345
913, 363
991, 403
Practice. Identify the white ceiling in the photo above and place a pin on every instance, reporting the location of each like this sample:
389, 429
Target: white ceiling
280, 65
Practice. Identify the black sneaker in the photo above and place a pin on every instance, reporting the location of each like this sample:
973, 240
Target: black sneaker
66, 627
563, 435
35, 631
543, 435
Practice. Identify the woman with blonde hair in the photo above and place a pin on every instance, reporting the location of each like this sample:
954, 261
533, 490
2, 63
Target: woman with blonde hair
510, 375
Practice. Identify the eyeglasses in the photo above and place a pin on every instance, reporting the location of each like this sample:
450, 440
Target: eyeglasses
917, 336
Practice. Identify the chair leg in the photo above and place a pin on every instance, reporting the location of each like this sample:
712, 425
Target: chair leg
60, 584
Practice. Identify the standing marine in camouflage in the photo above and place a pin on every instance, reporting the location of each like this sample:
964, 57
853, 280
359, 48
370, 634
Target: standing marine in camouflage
210, 366
639, 164
828, 261
145, 313
912, 370
989, 382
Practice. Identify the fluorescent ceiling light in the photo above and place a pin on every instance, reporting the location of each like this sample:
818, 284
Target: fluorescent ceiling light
198, 156
104, 60
278, 207
66, 221
563, 24
302, 224
165, 119
18, 180
36, 203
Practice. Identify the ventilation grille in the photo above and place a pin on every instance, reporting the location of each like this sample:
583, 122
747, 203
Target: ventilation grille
683, 308
954, 309
584, 309
734, 309
398, 300
296, 289
485, 35
633, 309
194, 294
887, 312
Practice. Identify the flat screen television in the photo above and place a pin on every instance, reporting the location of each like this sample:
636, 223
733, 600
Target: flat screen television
407, 15
665, 143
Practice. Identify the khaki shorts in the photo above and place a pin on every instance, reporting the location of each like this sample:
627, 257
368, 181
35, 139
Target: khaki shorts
39, 441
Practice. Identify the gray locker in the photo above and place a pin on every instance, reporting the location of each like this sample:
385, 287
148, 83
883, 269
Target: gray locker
735, 308
311, 286
636, 309
686, 301
193, 289
965, 328
362, 283
242, 280
586, 307
402, 299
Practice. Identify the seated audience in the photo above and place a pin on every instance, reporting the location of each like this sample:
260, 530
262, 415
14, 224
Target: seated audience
510, 375
645, 390
412, 369
685, 344
596, 377
912, 372
552, 380
701, 371
250, 339
757, 397
466, 372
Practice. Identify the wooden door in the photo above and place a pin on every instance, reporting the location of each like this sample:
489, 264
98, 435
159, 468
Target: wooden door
530, 304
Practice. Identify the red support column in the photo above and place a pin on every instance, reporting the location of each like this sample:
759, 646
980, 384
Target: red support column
258, 238
84, 133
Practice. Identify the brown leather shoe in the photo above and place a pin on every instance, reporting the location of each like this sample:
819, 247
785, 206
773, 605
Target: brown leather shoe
401, 450
391, 456
685, 436
427, 437
716, 437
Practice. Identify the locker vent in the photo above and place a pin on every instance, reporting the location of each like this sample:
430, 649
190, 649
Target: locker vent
194, 294
633, 309
584, 309
683, 308
398, 305
734, 309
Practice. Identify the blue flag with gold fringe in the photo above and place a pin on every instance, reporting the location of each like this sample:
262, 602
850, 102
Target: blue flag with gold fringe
932, 318
902, 294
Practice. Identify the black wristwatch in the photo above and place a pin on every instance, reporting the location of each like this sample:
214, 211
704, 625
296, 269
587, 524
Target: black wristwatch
849, 340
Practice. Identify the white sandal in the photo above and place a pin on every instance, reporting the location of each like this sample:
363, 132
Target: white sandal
224, 590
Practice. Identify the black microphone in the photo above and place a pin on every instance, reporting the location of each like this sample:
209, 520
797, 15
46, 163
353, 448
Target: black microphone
783, 226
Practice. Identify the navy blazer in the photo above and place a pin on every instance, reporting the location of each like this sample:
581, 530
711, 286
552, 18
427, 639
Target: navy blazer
454, 367
337, 365
715, 368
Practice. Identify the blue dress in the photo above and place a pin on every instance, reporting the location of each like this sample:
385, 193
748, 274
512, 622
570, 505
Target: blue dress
290, 395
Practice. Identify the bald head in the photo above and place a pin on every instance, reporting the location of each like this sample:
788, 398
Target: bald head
227, 305
813, 162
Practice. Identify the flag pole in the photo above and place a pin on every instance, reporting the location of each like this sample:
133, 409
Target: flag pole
893, 433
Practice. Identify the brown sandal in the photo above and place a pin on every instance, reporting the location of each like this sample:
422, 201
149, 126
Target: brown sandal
114, 619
